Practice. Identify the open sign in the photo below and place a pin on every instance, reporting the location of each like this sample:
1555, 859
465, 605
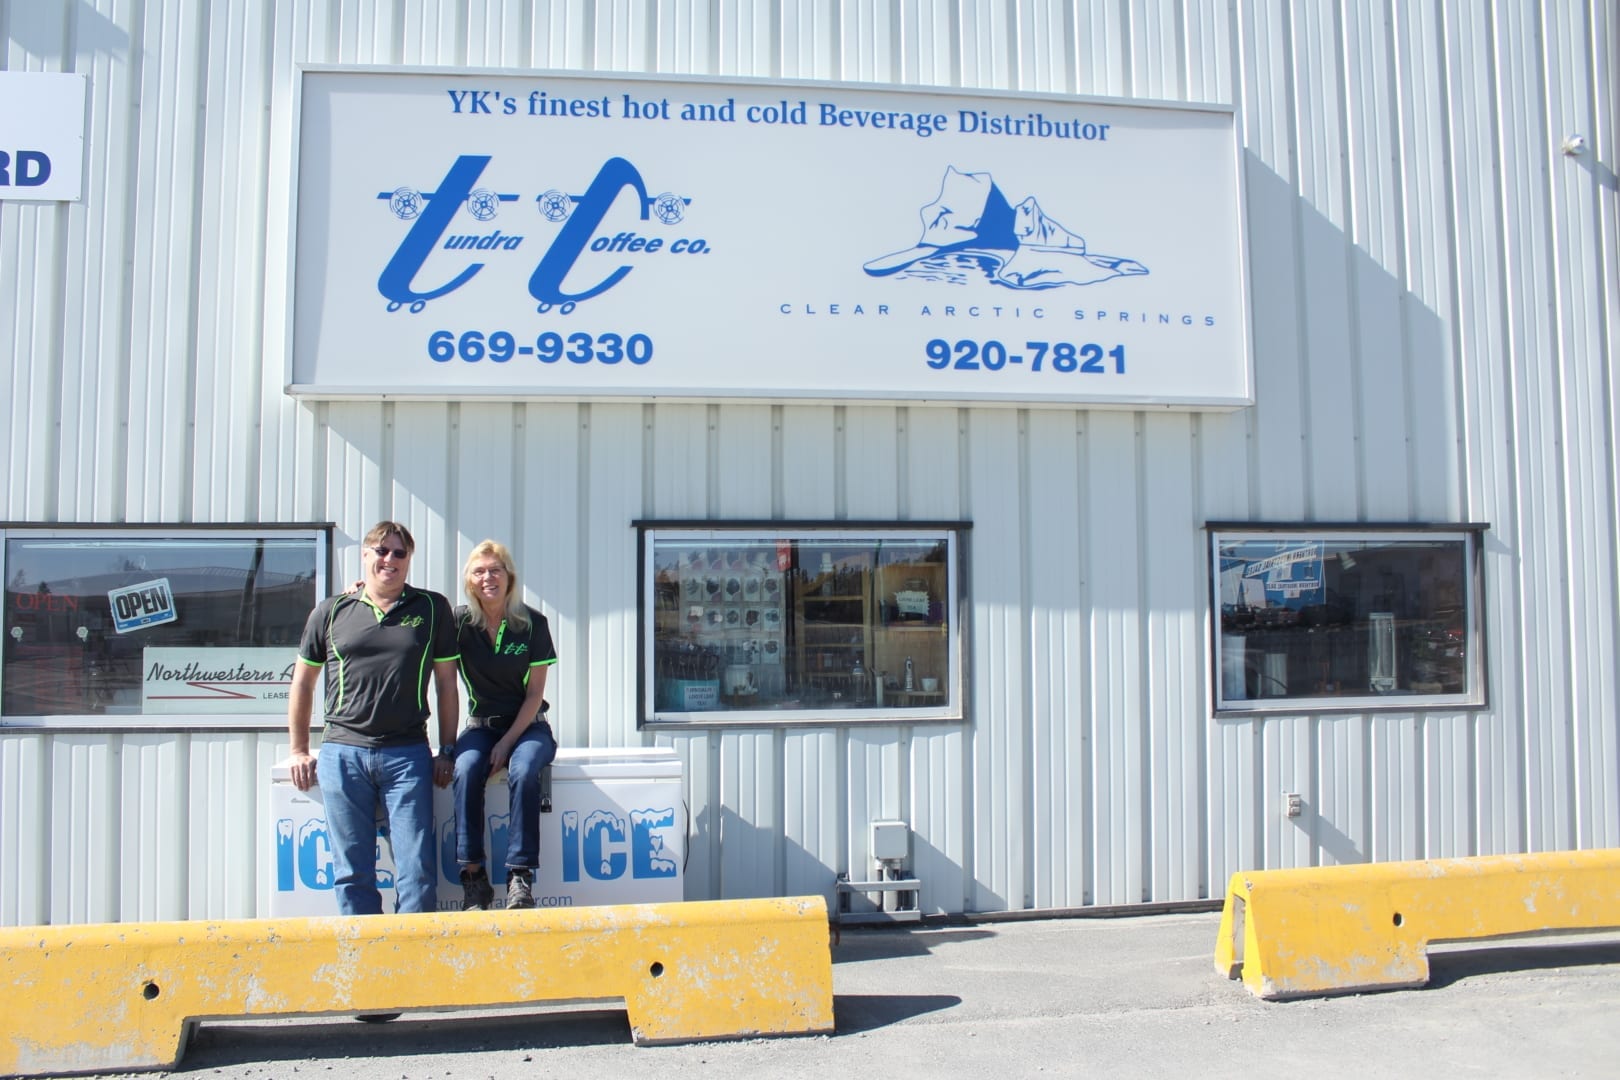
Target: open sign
147, 604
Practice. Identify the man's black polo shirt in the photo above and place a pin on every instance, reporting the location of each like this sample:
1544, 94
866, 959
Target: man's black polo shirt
378, 663
496, 673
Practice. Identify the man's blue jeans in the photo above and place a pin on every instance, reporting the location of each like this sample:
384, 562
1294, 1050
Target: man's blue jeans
535, 749
355, 781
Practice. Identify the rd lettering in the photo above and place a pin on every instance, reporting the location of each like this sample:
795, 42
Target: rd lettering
25, 168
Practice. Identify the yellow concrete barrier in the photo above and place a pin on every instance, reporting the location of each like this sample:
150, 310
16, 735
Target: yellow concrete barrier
120, 996
1337, 929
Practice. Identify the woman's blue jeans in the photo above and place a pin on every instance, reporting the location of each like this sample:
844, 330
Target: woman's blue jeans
535, 749
355, 781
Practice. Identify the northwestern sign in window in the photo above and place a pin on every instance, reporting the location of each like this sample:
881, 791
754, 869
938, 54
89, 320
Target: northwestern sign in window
464, 235
41, 135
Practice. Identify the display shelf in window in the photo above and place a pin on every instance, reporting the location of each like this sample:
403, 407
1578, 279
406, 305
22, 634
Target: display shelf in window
805, 638
832, 625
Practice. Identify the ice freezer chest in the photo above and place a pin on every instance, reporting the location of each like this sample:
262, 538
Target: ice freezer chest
616, 834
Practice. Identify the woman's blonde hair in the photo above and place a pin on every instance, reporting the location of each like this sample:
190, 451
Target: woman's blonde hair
517, 615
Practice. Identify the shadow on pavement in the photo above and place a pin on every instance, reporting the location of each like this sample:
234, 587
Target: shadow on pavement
1453, 964
219, 1044
222, 1044
855, 1013
855, 944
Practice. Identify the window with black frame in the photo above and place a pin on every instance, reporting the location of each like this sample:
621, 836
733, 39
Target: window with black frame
855, 624
1338, 618
154, 627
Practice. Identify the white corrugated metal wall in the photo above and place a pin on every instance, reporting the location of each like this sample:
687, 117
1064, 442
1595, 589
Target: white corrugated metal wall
1435, 300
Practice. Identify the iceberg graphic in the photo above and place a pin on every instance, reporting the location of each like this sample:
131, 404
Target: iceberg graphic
971, 226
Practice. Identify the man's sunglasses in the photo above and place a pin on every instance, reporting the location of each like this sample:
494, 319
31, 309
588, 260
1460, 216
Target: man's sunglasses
384, 552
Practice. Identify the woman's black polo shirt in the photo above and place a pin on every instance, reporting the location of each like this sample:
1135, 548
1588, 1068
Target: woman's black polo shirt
377, 664
496, 673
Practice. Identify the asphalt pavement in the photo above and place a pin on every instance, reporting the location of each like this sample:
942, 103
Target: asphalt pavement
1118, 997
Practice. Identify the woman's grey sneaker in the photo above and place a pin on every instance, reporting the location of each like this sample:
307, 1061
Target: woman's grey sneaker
476, 891
519, 889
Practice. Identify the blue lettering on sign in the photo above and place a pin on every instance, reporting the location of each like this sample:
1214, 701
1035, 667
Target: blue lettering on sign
142, 605
25, 168
546, 283
153, 601
476, 101
593, 846
432, 214
396, 282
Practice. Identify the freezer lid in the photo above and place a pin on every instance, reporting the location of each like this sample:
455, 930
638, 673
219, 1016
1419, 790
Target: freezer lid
610, 763
621, 763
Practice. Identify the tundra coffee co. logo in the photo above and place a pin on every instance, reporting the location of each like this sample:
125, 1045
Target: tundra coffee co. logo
433, 214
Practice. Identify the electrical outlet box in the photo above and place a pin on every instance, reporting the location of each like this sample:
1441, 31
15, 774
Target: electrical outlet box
891, 840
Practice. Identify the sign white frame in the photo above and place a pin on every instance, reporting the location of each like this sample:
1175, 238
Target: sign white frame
468, 234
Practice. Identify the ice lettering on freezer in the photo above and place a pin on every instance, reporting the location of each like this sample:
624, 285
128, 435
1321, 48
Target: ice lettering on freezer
385, 876
500, 829
647, 846
314, 855
496, 840
284, 855
448, 866
305, 861
601, 829
595, 847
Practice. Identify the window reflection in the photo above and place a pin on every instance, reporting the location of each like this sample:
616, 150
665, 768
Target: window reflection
143, 625
1317, 616
813, 622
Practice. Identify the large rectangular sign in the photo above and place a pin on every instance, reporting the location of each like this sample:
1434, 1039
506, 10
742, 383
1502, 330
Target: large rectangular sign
464, 235
41, 135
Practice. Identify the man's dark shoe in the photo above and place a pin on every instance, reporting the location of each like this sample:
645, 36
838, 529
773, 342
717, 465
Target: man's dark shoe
476, 891
376, 1018
519, 889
